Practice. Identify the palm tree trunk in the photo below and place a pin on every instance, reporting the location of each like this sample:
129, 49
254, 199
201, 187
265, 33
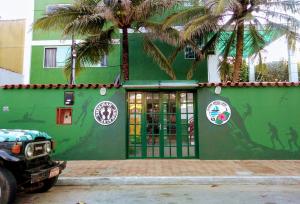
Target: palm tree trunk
239, 52
125, 54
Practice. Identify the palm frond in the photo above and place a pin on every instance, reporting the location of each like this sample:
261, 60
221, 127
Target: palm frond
192, 69
281, 5
226, 51
149, 8
218, 7
168, 35
78, 18
199, 26
183, 16
91, 50
254, 40
153, 51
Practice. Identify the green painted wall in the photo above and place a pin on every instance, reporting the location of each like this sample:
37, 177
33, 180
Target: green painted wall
94, 75
142, 67
39, 10
259, 127
85, 138
264, 122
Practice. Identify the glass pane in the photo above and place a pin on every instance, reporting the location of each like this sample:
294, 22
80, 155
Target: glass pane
150, 140
139, 98
172, 129
131, 130
190, 97
183, 97
192, 151
184, 129
183, 108
149, 97
149, 107
165, 98
138, 139
131, 151
138, 152
172, 119
156, 140
138, 119
183, 118
190, 117
156, 152
173, 151
132, 98
131, 108
131, 139
167, 151
190, 108
131, 119
138, 130
185, 151
155, 108
172, 107
172, 97
149, 151
185, 139
138, 108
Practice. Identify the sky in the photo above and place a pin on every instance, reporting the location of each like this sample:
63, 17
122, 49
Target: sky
14, 9
18, 9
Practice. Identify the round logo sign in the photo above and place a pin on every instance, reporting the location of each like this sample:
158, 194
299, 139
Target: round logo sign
218, 112
105, 112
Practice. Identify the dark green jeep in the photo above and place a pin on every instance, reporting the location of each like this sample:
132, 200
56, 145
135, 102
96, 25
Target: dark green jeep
25, 163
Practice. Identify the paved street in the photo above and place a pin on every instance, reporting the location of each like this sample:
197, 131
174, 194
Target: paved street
168, 194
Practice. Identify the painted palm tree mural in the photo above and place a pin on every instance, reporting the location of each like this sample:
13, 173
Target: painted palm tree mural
98, 21
238, 27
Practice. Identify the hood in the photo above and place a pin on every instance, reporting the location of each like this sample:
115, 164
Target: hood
13, 135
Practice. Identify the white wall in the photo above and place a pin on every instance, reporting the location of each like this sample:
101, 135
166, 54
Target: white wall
9, 77
213, 68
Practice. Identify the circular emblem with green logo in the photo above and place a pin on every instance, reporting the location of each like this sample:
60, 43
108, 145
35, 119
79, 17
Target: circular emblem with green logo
218, 112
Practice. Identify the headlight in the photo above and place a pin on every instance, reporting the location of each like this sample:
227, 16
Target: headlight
29, 150
48, 147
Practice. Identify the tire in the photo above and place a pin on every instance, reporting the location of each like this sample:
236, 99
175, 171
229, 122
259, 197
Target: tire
47, 184
8, 186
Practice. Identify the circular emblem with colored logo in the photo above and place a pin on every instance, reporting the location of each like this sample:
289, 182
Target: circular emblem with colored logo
105, 113
218, 112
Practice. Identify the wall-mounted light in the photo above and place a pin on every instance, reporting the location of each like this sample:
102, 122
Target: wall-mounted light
218, 90
102, 91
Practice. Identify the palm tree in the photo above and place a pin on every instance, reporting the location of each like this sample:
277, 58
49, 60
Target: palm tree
238, 26
98, 21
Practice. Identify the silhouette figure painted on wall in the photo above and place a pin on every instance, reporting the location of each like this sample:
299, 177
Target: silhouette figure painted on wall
274, 135
293, 139
27, 118
248, 111
84, 110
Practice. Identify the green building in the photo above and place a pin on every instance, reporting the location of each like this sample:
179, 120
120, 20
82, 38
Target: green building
150, 116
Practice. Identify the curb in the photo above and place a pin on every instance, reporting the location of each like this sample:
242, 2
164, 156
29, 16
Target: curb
182, 180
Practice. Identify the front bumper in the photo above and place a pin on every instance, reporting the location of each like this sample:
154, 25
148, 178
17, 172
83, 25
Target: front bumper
51, 172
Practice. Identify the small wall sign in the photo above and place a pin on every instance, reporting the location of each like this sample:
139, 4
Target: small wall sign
105, 112
218, 112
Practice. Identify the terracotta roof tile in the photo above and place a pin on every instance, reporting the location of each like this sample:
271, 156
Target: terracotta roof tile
250, 84
58, 86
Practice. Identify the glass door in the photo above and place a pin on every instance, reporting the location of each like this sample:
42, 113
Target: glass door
161, 125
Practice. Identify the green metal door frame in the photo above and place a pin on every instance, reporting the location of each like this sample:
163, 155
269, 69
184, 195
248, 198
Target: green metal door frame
144, 146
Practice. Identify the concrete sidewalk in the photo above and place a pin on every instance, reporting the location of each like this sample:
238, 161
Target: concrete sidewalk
175, 171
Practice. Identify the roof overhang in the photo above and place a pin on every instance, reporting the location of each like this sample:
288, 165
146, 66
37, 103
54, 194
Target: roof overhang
167, 84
